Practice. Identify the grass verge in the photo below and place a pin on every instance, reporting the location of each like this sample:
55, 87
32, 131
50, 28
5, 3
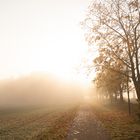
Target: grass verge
118, 122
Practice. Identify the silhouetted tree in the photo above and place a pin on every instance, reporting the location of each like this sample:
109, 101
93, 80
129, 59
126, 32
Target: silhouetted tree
114, 27
111, 84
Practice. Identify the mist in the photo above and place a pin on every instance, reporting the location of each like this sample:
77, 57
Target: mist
38, 89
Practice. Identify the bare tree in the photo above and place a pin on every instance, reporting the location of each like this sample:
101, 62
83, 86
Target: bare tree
114, 27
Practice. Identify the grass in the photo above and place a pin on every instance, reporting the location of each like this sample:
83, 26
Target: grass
118, 122
40, 123
53, 123
60, 128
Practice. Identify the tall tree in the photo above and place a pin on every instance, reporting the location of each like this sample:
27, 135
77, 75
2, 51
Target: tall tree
114, 26
111, 83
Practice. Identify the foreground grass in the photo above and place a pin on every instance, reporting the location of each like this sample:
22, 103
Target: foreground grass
60, 127
118, 122
38, 123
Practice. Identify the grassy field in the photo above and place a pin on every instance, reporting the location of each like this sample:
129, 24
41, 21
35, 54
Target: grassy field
36, 123
117, 121
54, 122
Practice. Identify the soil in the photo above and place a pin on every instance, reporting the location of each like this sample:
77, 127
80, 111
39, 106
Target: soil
86, 126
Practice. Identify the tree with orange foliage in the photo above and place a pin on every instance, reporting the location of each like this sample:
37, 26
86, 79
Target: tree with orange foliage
114, 27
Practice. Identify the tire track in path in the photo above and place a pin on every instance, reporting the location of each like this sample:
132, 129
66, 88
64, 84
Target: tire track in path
86, 126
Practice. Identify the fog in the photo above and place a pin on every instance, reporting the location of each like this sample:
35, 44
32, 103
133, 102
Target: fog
39, 89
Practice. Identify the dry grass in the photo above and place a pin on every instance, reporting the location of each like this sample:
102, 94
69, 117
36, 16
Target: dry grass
34, 123
60, 128
118, 122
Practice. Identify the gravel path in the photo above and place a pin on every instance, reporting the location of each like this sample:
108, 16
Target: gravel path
86, 126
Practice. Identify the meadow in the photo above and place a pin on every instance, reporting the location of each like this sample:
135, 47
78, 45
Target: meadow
36, 122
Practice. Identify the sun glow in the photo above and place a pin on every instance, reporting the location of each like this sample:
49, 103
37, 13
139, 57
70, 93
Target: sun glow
38, 37
61, 56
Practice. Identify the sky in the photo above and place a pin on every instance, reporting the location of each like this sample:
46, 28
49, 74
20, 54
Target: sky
41, 35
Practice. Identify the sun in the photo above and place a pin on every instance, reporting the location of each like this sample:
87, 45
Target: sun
42, 37
60, 55
62, 52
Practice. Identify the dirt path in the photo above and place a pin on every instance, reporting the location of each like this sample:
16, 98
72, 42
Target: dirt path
86, 126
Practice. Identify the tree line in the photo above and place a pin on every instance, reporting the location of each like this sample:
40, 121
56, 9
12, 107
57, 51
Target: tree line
113, 27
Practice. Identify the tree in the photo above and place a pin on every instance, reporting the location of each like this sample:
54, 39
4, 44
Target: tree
111, 84
114, 26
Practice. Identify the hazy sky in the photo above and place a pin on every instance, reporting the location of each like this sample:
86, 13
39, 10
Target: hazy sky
41, 35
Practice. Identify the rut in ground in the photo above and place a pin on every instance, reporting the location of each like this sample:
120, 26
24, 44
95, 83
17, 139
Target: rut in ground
86, 126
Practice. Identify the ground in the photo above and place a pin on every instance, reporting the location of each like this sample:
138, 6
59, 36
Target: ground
86, 126
117, 121
36, 123
84, 121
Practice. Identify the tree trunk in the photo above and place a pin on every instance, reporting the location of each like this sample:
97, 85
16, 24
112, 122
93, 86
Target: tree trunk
128, 95
121, 96
137, 87
111, 98
129, 105
115, 96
